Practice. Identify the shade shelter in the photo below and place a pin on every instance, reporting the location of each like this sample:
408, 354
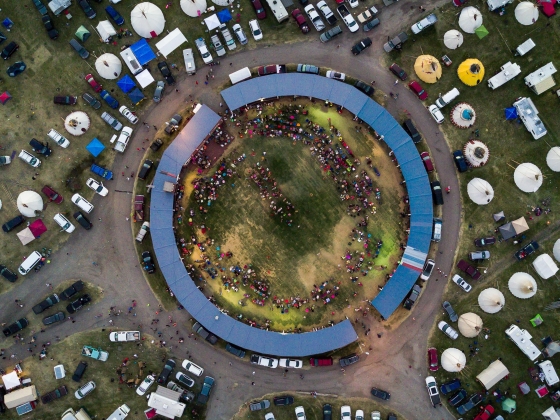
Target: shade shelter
522, 285
212, 22
427, 68
136, 96
545, 266
470, 324
553, 159
493, 374
498, 217
471, 72
5, 97
528, 177
144, 78
224, 15
453, 39
126, 84
29, 203
193, 8
526, 13
108, 66
171, 42
25, 236
511, 113
143, 52
147, 20
77, 123
37, 228
11, 380
82, 33
556, 250
491, 300
470, 19
453, 360
480, 191
481, 31
507, 231
520, 225
95, 147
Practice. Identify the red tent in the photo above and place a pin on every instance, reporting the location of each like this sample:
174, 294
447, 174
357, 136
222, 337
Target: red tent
37, 228
5, 97
547, 7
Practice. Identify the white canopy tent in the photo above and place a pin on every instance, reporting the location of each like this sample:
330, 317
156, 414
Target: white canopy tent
147, 20
29, 202
528, 177
193, 8
491, 300
553, 159
453, 39
522, 285
212, 22
26, 236
105, 30
526, 13
171, 42
144, 78
470, 324
480, 191
108, 66
556, 250
11, 380
470, 19
453, 360
545, 266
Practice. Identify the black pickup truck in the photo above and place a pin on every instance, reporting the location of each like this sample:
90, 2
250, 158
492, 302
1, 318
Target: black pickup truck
526, 250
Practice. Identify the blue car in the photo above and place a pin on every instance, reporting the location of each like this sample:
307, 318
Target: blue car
450, 386
460, 161
102, 172
113, 14
457, 398
112, 102
473, 401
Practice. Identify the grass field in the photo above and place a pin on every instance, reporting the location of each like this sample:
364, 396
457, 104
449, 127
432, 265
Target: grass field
294, 258
313, 407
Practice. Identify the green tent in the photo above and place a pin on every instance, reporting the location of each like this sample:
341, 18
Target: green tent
537, 320
481, 31
82, 33
509, 405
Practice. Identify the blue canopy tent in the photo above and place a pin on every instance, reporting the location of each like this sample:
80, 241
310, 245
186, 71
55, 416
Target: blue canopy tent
95, 147
8, 23
511, 113
142, 51
224, 15
136, 96
126, 84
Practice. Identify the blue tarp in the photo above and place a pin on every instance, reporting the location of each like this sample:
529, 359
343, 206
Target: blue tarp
142, 51
136, 96
511, 113
126, 84
224, 15
95, 147
406, 153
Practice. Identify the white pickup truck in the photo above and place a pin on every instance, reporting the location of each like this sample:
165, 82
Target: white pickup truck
347, 18
145, 228
123, 139
264, 361
119, 336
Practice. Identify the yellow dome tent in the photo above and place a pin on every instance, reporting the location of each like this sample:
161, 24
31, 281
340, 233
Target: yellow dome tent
471, 72
427, 68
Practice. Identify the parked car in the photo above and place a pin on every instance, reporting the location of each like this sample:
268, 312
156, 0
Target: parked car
349, 360
218, 46
427, 271
364, 87
396, 42
283, 400
527, 250
314, 17
418, 90
436, 113
459, 281
259, 9
40, 147
79, 48
65, 100
17, 68
457, 398
98, 187
11, 48
450, 311
330, 34
307, 68
8, 274
409, 127
64, 223
485, 241
78, 304
85, 390
205, 392
379, 393
255, 29
368, 26
157, 143
300, 413
412, 297
460, 161
79, 372
145, 385
345, 412
167, 369
427, 161
424, 23
331, 74
259, 405
93, 83
114, 15
323, 361
184, 379
51, 319
17, 326
145, 169
53, 395
112, 102
236, 351
361, 46
479, 255
82, 220
240, 34
437, 193
72, 290
300, 20
192, 368
158, 94
29, 159
112, 121
271, 69
128, 114
433, 393
148, 262
397, 71
269, 362
52, 195
433, 363
450, 386
90, 100
473, 401
447, 330
204, 333
90, 13
102, 172
13, 223
327, 412
291, 363
469, 269
5, 160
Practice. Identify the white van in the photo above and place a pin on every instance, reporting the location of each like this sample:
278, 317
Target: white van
447, 98
192, 368
550, 375
84, 390
189, 61
58, 138
436, 234
82, 203
240, 75
29, 263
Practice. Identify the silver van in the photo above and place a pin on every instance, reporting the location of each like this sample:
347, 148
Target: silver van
82, 203
29, 263
436, 235
447, 98
189, 61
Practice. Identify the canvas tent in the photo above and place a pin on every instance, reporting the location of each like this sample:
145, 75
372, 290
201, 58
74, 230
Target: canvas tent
545, 266
82, 33
143, 52
144, 78
470, 19
453, 360
193, 8
553, 159
108, 66
471, 71
105, 30
556, 250
427, 68
77, 123
95, 147
491, 300
212, 22
480, 191
147, 20
493, 374
5, 97
526, 13
171, 42
453, 39
470, 324
528, 177
29, 202
21, 396
522, 285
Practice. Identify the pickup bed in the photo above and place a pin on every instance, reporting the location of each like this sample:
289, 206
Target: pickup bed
53, 395
139, 208
469, 269
526, 250
347, 18
327, 12
119, 336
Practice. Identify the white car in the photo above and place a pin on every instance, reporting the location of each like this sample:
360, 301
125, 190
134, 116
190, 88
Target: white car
192, 368
359, 414
269, 416
64, 223
447, 330
29, 159
97, 187
291, 363
300, 413
375, 415
331, 74
145, 385
5, 160
82, 203
58, 138
345, 412
428, 268
314, 17
458, 280
240, 34
255, 29
353, 3
130, 116
124, 138
184, 379
436, 113
85, 390
264, 361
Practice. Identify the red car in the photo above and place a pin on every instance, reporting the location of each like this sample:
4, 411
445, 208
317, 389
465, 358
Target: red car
419, 90
96, 86
432, 359
397, 71
469, 269
52, 194
259, 9
300, 19
427, 161
325, 361
485, 413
